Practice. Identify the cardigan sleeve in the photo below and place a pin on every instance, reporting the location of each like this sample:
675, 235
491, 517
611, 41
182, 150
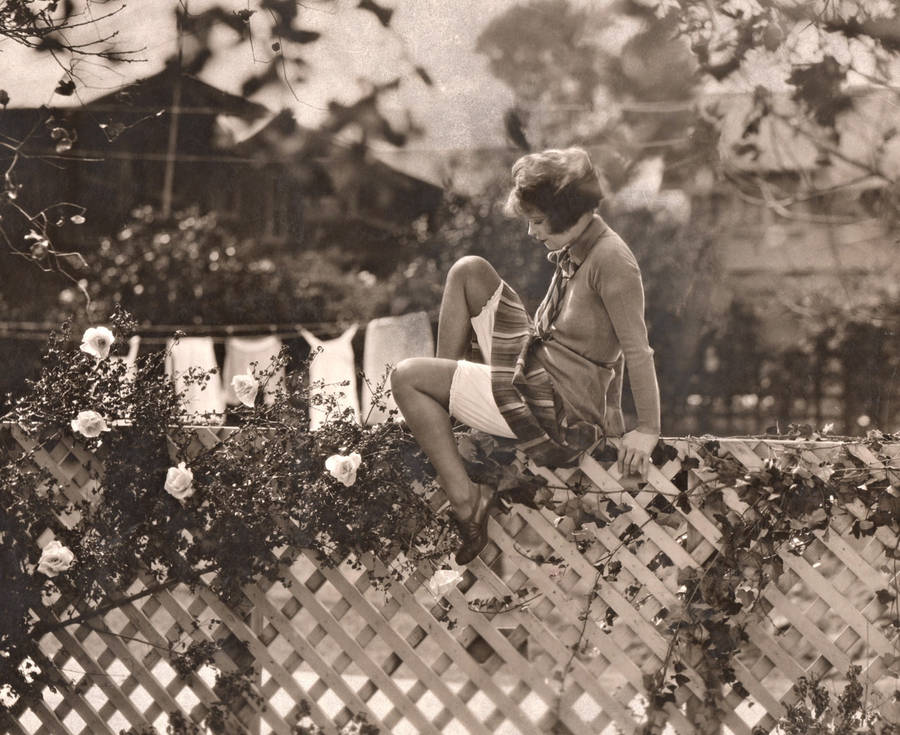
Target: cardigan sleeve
618, 281
614, 422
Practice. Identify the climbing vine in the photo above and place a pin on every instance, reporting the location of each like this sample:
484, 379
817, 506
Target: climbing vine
762, 513
776, 508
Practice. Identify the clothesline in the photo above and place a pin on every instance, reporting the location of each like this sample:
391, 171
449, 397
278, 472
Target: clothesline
335, 366
227, 329
160, 340
160, 333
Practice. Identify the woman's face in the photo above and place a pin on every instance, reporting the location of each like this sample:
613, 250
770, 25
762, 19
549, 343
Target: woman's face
539, 228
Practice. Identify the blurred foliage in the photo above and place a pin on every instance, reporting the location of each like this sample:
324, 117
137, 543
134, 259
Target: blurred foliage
840, 371
819, 81
728, 92
191, 269
472, 226
586, 76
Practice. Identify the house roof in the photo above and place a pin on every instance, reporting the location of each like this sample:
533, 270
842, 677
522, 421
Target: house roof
243, 129
282, 138
148, 94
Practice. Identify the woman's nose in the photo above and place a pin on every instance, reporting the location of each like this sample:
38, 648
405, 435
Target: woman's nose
530, 229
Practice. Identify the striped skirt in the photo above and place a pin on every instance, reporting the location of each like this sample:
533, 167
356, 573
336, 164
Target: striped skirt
525, 395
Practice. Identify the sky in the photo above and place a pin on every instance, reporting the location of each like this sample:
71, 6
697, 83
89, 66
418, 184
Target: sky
463, 110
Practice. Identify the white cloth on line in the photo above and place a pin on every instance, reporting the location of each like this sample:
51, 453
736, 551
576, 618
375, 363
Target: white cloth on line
389, 340
202, 403
333, 365
240, 353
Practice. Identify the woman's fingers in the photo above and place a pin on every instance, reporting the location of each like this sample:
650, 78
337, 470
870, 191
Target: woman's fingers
644, 465
634, 462
624, 460
637, 462
628, 457
635, 453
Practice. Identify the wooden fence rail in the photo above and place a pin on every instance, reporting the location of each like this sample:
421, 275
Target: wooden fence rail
327, 645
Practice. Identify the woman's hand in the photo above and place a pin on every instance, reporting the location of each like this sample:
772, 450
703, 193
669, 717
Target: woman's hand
634, 454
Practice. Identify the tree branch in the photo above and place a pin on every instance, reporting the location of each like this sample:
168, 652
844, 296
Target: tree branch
884, 30
41, 629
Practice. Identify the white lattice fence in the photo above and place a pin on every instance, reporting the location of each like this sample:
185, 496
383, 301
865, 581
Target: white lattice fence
571, 654
825, 608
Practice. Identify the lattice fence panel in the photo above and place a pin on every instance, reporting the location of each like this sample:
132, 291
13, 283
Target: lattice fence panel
573, 654
825, 612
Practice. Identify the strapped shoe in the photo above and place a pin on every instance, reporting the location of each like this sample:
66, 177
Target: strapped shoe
473, 531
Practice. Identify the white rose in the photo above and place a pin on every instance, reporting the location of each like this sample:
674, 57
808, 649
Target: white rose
343, 468
443, 581
89, 424
97, 341
55, 558
245, 388
179, 481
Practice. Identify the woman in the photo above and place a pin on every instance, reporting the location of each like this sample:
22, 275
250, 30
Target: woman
554, 384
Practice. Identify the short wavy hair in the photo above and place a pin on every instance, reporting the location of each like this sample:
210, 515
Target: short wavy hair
561, 184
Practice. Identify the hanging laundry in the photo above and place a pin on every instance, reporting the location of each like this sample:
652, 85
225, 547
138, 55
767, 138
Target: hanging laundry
203, 403
241, 353
389, 340
331, 367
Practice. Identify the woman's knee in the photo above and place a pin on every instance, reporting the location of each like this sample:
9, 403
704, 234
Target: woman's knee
409, 374
477, 277
472, 268
403, 376
428, 375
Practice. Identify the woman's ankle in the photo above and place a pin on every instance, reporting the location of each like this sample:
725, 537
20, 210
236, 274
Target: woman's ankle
466, 509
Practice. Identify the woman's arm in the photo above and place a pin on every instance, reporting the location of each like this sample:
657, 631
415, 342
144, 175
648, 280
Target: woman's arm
622, 293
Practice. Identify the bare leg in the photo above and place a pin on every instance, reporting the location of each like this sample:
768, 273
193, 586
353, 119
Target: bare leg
470, 284
421, 387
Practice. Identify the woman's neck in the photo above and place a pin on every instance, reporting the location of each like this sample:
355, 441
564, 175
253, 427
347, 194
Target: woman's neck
575, 230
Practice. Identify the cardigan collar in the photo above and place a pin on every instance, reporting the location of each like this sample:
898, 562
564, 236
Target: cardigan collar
579, 248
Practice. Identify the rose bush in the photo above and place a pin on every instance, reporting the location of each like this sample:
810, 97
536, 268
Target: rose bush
268, 484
